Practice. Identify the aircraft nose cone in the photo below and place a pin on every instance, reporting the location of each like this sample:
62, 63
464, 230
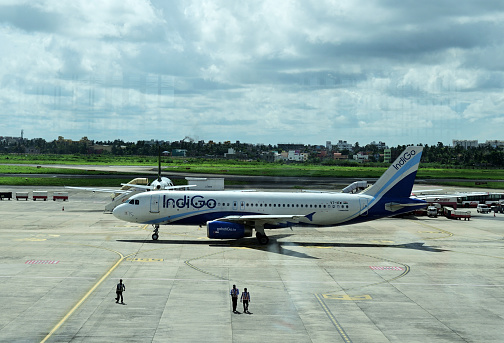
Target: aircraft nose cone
120, 212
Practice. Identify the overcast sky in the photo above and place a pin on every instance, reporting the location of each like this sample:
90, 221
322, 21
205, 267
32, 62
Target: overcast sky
277, 71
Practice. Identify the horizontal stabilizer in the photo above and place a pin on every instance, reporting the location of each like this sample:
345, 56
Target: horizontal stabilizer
394, 206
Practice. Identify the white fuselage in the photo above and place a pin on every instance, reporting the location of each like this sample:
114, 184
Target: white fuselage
196, 208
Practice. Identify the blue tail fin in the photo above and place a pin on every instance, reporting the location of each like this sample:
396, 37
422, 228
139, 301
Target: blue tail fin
397, 181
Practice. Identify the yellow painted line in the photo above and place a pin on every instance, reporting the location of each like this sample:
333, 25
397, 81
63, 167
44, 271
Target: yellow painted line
337, 325
139, 259
447, 233
347, 297
64, 319
31, 239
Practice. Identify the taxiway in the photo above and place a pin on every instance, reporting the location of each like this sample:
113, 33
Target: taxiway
391, 280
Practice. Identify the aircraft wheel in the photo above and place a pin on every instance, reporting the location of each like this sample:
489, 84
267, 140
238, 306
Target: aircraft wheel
155, 236
263, 239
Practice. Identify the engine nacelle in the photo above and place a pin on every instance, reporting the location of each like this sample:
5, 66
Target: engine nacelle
227, 230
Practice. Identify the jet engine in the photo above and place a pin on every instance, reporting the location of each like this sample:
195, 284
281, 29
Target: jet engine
227, 230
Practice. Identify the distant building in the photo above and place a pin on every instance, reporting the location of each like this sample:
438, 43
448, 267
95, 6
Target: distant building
9, 140
269, 156
292, 156
380, 145
387, 155
495, 143
344, 145
100, 148
296, 155
339, 156
322, 154
328, 145
465, 143
231, 154
360, 157
179, 152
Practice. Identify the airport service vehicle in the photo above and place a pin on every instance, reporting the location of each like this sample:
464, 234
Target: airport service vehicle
432, 211
233, 215
42, 195
451, 213
5, 195
482, 208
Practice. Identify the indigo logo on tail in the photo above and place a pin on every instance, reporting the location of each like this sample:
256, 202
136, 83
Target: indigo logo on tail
404, 159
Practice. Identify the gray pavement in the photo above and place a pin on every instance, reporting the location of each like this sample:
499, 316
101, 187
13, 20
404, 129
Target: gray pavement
391, 280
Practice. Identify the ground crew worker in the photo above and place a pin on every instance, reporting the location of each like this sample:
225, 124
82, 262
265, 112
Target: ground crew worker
234, 296
245, 299
119, 290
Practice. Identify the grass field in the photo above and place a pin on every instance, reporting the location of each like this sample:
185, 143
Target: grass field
230, 167
79, 159
468, 184
62, 181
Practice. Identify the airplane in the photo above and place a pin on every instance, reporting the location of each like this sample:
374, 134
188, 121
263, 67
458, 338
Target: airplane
135, 186
234, 215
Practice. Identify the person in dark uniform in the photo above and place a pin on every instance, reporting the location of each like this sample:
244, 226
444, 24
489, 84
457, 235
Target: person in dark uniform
234, 296
245, 299
119, 290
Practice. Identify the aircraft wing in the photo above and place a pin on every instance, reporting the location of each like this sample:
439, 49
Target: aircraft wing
104, 190
150, 187
266, 218
137, 186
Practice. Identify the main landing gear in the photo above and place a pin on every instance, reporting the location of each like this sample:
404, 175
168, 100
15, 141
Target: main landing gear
155, 235
262, 238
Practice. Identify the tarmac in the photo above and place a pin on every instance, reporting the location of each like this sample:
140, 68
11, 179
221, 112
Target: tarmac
390, 280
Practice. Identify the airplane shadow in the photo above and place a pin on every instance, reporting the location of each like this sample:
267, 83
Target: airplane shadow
276, 247
272, 247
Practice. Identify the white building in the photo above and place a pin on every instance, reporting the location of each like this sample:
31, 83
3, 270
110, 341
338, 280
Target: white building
344, 145
360, 157
296, 155
465, 143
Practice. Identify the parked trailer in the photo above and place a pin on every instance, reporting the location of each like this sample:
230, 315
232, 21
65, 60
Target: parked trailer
22, 195
60, 196
451, 213
40, 195
5, 195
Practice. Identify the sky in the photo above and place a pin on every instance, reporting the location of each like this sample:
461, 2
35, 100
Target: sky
307, 71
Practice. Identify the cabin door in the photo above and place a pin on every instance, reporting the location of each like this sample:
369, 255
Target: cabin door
154, 204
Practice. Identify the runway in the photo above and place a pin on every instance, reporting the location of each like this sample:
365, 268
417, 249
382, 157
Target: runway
391, 280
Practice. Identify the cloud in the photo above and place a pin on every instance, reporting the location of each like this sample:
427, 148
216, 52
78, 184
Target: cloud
265, 71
